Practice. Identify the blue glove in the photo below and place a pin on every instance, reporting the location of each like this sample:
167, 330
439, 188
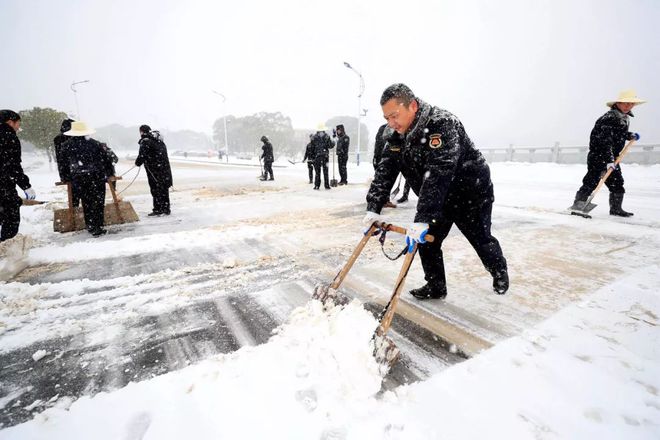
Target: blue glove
416, 233
30, 194
634, 136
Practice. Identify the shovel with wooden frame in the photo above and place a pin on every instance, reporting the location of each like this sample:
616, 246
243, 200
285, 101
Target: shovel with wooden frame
582, 208
384, 349
73, 219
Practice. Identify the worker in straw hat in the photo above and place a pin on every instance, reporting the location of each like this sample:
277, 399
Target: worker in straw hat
608, 138
86, 161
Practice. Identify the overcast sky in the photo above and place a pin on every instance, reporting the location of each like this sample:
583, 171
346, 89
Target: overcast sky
514, 71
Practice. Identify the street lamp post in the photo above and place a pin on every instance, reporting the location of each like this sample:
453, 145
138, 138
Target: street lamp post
360, 91
75, 95
224, 122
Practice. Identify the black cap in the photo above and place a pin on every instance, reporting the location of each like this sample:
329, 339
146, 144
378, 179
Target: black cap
264, 139
66, 125
340, 127
9, 115
144, 128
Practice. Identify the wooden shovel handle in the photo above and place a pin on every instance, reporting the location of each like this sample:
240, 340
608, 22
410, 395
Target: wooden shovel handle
618, 159
400, 230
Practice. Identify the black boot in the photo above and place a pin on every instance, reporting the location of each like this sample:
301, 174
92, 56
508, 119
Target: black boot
429, 291
500, 281
616, 199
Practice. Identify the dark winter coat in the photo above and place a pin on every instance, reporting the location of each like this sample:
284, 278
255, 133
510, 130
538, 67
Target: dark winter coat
608, 137
438, 160
62, 168
267, 152
153, 155
343, 142
381, 135
321, 144
84, 157
111, 159
309, 152
11, 171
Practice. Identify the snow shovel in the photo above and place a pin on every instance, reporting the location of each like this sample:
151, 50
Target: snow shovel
582, 208
385, 351
333, 181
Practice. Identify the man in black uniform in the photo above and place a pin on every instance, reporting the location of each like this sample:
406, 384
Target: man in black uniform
608, 137
268, 158
86, 163
321, 146
343, 142
451, 178
11, 174
153, 154
309, 157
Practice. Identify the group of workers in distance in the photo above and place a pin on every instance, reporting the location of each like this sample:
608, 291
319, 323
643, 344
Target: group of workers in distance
85, 163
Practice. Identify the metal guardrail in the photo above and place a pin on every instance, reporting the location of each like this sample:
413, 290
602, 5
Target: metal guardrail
638, 153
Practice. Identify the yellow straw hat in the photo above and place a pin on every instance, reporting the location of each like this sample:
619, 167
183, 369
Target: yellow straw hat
626, 96
79, 128
321, 127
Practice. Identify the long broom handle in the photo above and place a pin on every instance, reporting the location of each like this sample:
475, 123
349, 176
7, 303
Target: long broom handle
609, 171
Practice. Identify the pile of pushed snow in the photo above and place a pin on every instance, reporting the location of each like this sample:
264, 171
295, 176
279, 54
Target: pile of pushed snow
317, 370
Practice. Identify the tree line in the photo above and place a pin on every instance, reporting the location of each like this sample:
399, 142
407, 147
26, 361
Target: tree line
41, 125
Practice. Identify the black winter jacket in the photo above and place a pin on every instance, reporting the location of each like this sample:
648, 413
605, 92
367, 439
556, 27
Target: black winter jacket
608, 137
321, 144
11, 171
438, 160
267, 152
153, 155
83, 157
383, 132
343, 142
309, 152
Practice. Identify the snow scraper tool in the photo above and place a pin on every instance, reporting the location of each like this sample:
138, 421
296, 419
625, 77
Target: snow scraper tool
583, 208
72, 218
384, 350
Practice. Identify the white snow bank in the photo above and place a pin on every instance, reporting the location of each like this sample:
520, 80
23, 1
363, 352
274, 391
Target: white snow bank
314, 373
590, 371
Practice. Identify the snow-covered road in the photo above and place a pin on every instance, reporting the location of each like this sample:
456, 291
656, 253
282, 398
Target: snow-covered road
237, 256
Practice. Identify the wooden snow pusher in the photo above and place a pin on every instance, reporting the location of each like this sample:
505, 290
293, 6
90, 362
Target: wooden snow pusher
114, 213
384, 349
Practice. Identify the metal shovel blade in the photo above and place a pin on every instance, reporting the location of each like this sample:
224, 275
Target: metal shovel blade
385, 352
582, 208
328, 295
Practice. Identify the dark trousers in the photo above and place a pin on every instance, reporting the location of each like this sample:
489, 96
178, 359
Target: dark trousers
321, 164
406, 190
160, 193
343, 175
10, 217
474, 222
268, 169
590, 181
91, 189
310, 168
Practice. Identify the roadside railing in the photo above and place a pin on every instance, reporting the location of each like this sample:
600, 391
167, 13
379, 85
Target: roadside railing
638, 153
